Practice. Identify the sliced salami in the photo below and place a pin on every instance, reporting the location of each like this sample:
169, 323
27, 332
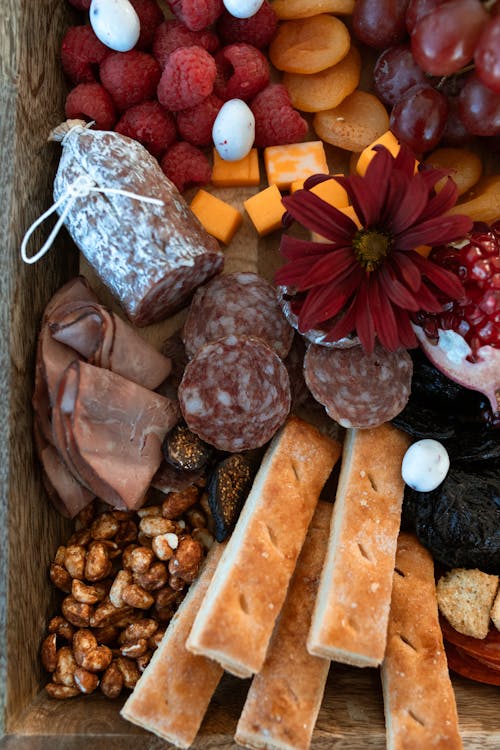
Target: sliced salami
358, 389
235, 393
239, 303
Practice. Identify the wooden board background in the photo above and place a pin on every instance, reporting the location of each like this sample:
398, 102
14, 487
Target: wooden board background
31, 102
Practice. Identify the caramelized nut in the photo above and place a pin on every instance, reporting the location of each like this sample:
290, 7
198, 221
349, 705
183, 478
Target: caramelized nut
86, 594
154, 578
177, 503
60, 577
61, 691
137, 597
196, 518
88, 654
144, 540
106, 635
164, 545
143, 661
74, 560
187, 560
176, 583
61, 627
155, 639
127, 532
49, 652
134, 649
84, 518
154, 525
85, 681
65, 667
105, 526
142, 629
77, 613
123, 578
140, 559
97, 565
149, 511
112, 681
129, 671
126, 555
80, 538
204, 537
60, 555
107, 614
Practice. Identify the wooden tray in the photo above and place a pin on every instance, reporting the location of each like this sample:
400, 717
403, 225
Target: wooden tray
31, 102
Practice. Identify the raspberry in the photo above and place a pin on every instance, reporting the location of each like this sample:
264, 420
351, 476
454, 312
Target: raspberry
477, 264
91, 101
195, 124
130, 77
82, 53
258, 30
276, 121
150, 17
149, 124
187, 79
196, 14
185, 165
242, 71
81, 4
173, 34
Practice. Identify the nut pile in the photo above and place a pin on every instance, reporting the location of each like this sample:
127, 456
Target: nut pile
124, 575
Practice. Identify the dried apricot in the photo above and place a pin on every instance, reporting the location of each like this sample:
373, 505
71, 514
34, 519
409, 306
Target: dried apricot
482, 202
286, 9
465, 166
326, 89
354, 124
308, 45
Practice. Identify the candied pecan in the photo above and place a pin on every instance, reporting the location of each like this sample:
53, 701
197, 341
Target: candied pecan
65, 667
104, 526
49, 652
60, 577
74, 560
141, 629
61, 627
77, 613
126, 555
97, 565
154, 578
137, 597
86, 593
112, 681
80, 538
186, 562
88, 654
154, 525
129, 670
140, 559
61, 691
134, 649
123, 578
107, 614
86, 681
176, 503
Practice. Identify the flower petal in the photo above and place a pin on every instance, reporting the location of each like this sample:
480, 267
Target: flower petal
445, 280
406, 270
319, 216
329, 267
397, 292
406, 333
384, 319
409, 205
291, 274
325, 302
441, 202
428, 301
404, 160
363, 198
365, 327
396, 188
436, 231
345, 325
293, 248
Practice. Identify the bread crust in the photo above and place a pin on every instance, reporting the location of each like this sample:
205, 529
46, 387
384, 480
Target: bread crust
284, 699
349, 622
235, 623
419, 703
174, 691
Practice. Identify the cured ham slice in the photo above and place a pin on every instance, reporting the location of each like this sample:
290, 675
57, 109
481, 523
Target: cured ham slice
109, 432
105, 340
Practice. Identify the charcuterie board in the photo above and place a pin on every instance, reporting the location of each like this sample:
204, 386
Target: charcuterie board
31, 99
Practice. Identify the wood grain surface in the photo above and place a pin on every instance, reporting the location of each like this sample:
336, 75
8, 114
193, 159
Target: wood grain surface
31, 103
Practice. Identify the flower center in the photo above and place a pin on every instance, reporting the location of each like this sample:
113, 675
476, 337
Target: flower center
371, 248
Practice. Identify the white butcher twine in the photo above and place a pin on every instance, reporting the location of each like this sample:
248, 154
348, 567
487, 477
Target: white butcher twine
425, 465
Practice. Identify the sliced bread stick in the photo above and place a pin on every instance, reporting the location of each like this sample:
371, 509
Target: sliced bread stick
419, 703
174, 691
284, 699
236, 621
349, 622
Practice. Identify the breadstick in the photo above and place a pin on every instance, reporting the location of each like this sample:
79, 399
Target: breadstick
244, 599
174, 691
350, 616
419, 703
285, 696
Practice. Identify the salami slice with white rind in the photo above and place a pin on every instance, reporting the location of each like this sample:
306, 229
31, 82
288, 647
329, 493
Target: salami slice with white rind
359, 389
235, 393
239, 303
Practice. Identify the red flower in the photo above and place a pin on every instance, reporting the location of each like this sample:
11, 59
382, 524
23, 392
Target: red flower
367, 281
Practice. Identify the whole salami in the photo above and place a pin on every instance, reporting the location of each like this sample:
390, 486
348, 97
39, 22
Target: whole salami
358, 389
239, 303
235, 393
151, 257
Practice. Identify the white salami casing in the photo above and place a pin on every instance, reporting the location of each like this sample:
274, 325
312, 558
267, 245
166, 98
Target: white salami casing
151, 257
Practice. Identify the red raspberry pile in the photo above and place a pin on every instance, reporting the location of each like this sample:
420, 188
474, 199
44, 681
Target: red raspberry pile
168, 90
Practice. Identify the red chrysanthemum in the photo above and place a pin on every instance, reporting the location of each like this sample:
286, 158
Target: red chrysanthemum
367, 281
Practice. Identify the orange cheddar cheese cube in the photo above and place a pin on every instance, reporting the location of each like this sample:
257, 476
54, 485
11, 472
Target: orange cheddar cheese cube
241, 173
294, 161
265, 210
219, 218
329, 190
388, 140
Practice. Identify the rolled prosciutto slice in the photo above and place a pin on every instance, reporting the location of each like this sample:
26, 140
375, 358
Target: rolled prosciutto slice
105, 340
109, 431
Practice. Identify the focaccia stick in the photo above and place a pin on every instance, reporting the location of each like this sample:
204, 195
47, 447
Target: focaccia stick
350, 616
174, 691
284, 699
245, 597
419, 702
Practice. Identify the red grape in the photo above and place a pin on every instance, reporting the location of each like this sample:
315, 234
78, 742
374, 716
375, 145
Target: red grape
419, 117
381, 23
395, 72
443, 41
417, 9
487, 55
455, 133
479, 108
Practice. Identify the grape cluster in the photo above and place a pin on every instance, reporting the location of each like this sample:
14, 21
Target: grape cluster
439, 67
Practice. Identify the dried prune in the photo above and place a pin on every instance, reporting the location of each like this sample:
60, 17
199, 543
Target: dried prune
459, 522
228, 487
185, 450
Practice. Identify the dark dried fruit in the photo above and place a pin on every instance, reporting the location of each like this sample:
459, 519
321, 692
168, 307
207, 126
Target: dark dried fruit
459, 522
228, 487
185, 450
